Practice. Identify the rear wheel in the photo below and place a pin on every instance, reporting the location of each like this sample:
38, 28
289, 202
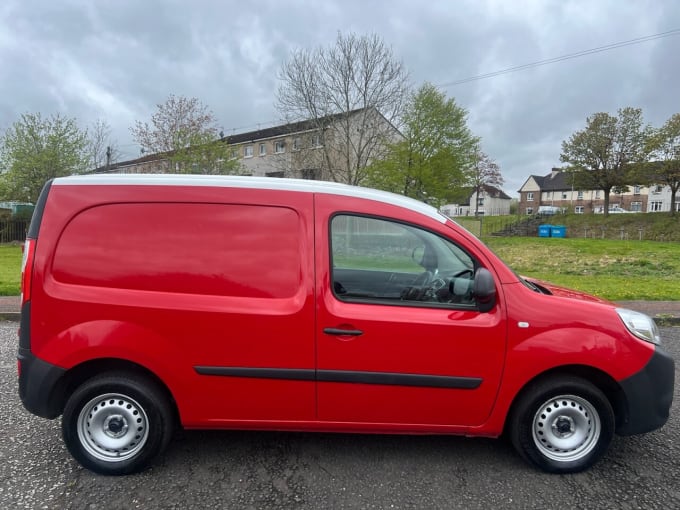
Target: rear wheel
562, 425
115, 424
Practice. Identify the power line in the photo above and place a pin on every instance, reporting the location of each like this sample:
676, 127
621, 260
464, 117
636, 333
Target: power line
569, 56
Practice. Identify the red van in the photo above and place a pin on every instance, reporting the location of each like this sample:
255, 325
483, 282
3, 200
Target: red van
156, 301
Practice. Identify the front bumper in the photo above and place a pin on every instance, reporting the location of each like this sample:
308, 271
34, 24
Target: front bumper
38, 384
649, 395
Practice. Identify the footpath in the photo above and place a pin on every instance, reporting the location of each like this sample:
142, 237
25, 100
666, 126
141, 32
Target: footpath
665, 313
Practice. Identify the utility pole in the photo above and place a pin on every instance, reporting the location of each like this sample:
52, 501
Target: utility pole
108, 157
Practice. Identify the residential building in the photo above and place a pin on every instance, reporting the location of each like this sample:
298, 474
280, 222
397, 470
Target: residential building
490, 201
660, 199
557, 189
310, 149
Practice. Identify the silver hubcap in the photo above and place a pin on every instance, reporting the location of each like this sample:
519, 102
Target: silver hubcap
566, 428
113, 427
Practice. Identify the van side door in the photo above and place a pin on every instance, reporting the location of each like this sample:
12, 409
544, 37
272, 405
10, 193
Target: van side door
400, 339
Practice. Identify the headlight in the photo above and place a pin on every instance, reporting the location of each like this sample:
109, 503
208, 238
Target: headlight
641, 325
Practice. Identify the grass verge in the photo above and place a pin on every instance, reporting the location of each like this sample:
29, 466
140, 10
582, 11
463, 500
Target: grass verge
614, 270
10, 269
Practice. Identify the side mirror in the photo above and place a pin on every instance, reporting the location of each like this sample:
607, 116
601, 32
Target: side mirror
484, 290
417, 254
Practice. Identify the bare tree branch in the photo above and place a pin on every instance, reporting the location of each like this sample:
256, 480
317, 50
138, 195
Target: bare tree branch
184, 130
102, 149
353, 94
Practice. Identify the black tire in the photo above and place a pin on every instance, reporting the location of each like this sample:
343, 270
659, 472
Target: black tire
115, 424
562, 425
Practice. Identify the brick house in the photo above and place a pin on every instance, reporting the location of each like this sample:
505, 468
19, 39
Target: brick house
557, 189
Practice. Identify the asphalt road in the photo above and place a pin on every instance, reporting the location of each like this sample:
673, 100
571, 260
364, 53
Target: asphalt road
284, 470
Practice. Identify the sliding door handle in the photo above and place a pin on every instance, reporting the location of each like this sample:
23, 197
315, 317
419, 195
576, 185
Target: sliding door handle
343, 332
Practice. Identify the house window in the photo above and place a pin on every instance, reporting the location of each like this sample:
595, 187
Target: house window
579, 195
530, 197
263, 149
636, 206
636, 190
279, 147
248, 151
480, 201
234, 153
317, 141
297, 145
597, 194
578, 209
656, 206
530, 210
657, 190
564, 195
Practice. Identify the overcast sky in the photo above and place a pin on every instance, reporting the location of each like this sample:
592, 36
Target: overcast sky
115, 60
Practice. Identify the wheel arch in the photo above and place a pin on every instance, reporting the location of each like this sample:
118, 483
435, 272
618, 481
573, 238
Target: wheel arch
78, 374
603, 381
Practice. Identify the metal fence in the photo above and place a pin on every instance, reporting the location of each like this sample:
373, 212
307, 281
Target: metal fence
13, 230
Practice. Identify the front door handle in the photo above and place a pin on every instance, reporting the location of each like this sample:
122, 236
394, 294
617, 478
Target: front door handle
343, 332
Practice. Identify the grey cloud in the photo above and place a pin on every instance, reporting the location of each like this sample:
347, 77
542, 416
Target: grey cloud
117, 60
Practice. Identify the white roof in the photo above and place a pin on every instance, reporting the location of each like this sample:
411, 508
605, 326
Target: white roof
233, 181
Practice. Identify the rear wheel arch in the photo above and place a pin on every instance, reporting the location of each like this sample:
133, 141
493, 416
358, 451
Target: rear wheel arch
79, 374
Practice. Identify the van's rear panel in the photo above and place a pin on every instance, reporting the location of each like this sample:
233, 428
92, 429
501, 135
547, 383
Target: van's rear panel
170, 278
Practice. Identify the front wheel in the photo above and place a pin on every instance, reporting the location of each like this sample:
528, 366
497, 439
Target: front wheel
115, 424
562, 425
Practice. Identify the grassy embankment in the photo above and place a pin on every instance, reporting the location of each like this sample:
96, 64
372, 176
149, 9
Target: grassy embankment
614, 270
601, 255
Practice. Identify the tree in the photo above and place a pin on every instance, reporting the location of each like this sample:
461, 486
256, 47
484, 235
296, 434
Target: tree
664, 146
102, 150
343, 91
603, 155
435, 157
36, 149
183, 132
485, 172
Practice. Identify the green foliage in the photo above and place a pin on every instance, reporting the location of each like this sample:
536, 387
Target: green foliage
604, 155
204, 155
434, 158
36, 149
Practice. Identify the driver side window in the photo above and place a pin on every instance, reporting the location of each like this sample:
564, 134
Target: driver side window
376, 260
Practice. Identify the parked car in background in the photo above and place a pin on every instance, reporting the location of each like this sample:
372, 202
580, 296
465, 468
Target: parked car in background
549, 210
618, 210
